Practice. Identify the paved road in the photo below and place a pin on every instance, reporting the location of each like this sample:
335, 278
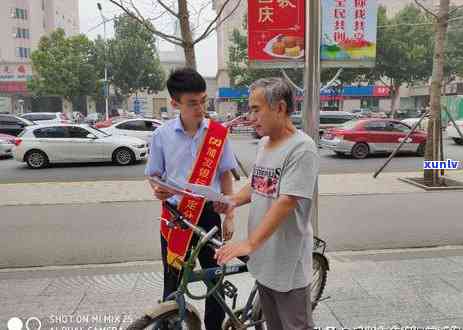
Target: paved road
84, 233
245, 147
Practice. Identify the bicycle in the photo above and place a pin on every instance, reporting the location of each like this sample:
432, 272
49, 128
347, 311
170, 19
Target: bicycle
176, 313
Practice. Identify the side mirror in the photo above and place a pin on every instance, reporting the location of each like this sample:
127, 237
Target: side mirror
91, 136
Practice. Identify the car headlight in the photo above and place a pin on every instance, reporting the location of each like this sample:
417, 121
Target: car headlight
139, 146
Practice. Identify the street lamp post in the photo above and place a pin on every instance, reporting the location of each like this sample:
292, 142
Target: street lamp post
106, 87
311, 115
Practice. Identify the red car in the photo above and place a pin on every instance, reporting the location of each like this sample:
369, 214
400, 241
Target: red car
363, 137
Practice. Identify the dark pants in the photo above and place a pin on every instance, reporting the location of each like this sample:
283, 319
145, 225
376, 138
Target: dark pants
214, 314
290, 310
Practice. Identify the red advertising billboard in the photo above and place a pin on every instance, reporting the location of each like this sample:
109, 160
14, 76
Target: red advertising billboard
276, 32
13, 87
381, 91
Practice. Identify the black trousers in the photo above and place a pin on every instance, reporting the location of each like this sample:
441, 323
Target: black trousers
214, 314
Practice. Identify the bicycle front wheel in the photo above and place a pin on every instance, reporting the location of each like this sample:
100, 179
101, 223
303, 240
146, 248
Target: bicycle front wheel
167, 321
320, 274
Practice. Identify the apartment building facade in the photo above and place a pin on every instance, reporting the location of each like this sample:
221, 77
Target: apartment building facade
22, 24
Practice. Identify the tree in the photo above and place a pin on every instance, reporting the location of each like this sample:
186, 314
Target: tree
441, 20
181, 13
404, 47
134, 63
62, 66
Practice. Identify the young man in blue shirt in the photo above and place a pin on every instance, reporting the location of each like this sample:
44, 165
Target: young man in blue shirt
173, 154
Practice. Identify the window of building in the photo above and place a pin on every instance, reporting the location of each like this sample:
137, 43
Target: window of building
22, 33
369, 103
23, 52
19, 13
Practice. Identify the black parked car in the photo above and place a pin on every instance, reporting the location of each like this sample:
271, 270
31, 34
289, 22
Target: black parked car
13, 125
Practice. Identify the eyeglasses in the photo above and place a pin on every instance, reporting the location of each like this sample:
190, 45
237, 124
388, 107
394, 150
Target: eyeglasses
192, 105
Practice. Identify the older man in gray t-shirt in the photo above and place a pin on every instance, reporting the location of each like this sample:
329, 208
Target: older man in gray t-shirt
280, 235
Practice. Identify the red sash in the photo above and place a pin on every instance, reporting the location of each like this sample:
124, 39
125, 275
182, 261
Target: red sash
203, 173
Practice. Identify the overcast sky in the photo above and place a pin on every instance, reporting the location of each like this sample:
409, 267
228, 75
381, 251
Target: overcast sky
90, 24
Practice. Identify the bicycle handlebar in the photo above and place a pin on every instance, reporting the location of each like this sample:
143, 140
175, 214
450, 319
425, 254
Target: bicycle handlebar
182, 221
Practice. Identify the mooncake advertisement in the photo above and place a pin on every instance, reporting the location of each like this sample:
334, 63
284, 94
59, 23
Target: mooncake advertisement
276, 31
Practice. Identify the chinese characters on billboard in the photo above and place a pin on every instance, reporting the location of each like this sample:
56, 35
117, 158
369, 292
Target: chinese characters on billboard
276, 31
348, 32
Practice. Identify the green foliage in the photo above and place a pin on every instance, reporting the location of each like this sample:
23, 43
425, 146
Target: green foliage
133, 58
62, 66
404, 47
453, 65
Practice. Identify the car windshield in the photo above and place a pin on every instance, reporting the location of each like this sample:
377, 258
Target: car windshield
97, 132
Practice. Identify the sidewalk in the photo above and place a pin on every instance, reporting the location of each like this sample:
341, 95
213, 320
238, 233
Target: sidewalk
394, 288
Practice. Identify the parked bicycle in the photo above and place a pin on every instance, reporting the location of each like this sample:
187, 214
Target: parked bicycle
176, 313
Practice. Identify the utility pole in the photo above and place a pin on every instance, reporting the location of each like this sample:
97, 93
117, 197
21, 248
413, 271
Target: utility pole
311, 111
106, 86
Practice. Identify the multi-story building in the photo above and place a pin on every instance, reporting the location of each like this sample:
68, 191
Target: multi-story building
22, 24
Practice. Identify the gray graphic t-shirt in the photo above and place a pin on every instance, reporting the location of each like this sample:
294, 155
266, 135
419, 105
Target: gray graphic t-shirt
284, 261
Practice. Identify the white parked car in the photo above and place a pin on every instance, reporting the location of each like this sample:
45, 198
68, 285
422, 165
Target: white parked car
141, 128
47, 117
453, 133
41, 145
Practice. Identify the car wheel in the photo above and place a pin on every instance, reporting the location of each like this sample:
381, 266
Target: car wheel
458, 141
360, 150
421, 149
36, 159
123, 156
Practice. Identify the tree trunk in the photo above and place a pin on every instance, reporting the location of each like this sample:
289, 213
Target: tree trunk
67, 106
434, 127
395, 98
187, 36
